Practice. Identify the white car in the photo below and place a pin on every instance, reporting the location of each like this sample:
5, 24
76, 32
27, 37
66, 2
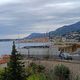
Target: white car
66, 56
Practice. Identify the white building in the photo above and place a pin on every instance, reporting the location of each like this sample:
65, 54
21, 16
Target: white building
40, 50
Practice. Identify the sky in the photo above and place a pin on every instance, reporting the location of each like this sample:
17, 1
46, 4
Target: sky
19, 18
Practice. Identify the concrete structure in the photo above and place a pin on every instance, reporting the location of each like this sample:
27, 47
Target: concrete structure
50, 49
39, 50
34, 51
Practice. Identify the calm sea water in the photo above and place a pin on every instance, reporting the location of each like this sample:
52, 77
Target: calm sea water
6, 47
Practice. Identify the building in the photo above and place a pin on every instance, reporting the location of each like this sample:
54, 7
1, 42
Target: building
44, 50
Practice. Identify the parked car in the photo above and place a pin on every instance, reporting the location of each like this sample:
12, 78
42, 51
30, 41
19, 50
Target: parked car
65, 56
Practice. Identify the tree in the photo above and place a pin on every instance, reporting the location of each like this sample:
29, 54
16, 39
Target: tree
1, 74
62, 72
36, 72
4, 74
34, 68
15, 70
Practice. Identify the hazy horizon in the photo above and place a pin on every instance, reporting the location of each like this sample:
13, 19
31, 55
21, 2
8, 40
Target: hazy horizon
19, 18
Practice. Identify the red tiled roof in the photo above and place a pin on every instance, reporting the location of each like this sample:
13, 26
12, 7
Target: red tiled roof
3, 61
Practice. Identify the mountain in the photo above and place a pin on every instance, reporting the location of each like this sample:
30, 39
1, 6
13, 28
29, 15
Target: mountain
58, 32
36, 35
66, 29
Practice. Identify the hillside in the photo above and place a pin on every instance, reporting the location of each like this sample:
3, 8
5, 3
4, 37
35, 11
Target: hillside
66, 29
60, 31
36, 35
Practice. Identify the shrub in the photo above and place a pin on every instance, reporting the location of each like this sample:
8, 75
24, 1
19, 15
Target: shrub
34, 68
62, 72
40, 76
77, 77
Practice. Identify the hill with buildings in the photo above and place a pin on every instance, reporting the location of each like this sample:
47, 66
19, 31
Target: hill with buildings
66, 29
58, 32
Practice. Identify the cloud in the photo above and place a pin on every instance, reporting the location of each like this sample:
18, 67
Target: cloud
13, 36
3, 2
28, 16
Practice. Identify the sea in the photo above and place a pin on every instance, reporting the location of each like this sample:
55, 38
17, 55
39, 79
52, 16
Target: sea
6, 46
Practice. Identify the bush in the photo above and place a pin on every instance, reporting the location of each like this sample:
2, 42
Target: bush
36, 72
34, 68
40, 76
50, 75
1, 71
77, 77
62, 72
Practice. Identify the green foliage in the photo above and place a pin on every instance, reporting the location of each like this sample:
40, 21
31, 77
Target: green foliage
62, 72
34, 68
40, 76
41, 68
36, 72
1, 72
4, 74
77, 77
14, 70
50, 75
